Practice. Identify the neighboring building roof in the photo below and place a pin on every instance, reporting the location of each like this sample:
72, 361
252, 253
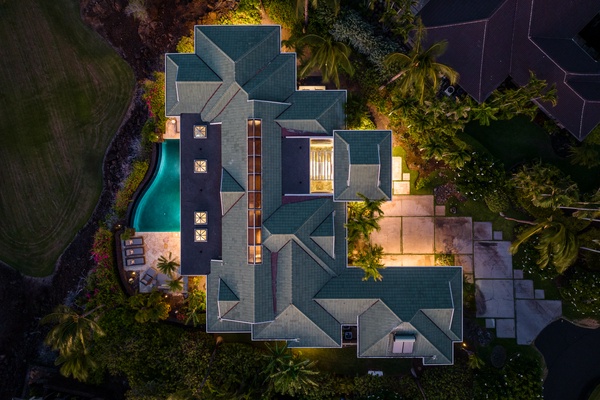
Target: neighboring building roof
363, 165
501, 38
302, 290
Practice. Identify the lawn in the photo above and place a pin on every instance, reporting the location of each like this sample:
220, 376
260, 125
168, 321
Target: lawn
519, 140
63, 94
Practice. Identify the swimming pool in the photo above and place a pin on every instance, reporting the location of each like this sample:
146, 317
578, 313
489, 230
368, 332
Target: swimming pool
158, 209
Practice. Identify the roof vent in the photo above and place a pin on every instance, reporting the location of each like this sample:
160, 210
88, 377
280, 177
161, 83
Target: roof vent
449, 91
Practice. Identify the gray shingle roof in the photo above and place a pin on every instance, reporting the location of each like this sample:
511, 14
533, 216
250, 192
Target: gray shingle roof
314, 111
302, 291
489, 41
363, 164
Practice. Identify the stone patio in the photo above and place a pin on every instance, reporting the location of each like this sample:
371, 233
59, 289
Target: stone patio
156, 244
413, 229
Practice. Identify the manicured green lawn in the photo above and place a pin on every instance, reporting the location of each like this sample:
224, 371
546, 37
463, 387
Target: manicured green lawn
63, 94
519, 140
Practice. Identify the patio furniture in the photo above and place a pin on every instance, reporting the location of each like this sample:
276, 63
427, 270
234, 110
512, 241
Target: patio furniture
135, 251
136, 261
149, 276
136, 241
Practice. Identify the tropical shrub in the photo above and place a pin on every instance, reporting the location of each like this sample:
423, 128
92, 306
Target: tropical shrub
154, 96
480, 176
509, 102
497, 200
195, 307
149, 307
186, 44
123, 197
359, 34
521, 378
247, 12
448, 382
582, 291
358, 115
102, 285
281, 12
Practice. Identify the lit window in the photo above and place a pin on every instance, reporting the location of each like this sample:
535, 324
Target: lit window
200, 166
199, 131
200, 217
200, 235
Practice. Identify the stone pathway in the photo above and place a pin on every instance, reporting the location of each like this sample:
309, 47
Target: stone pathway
414, 229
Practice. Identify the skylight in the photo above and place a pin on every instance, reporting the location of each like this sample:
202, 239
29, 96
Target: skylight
200, 235
403, 344
200, 218
199, 131
200, 166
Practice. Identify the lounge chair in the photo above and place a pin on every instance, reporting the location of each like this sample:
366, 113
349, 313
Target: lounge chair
135, 251
149, 276
136, 241
136, 261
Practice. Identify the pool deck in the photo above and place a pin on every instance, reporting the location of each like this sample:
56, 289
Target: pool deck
156, 244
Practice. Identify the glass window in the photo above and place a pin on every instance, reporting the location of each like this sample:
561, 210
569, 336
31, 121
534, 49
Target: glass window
258, 255
254, 200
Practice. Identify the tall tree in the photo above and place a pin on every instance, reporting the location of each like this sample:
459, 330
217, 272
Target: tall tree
545, 186
71, 336
73, 331
195, 305
556, 244
167, 266
418, 69
327, 55
288, 374
369, 260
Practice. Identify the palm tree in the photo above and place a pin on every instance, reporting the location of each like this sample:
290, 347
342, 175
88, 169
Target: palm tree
72, 330
77, 364
196, 304
71, 336
327, 55
149, 307
288, 374
475, 362
175, 284
457, 158
276, 355
556, 244
485, 114
418, 68
369, 260
545, 186
167, 266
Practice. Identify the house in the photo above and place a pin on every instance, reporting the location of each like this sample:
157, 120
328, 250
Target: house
489, 41
266, 174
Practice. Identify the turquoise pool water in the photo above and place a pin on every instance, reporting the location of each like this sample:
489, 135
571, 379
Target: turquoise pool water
158, 209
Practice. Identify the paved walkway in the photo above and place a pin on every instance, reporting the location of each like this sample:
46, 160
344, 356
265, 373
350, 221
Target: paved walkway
414, 230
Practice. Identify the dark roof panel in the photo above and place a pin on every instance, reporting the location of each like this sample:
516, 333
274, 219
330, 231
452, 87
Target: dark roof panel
200, 192
448, 12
